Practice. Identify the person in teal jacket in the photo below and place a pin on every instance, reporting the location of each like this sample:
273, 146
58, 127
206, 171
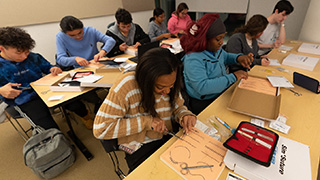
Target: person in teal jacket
205, 62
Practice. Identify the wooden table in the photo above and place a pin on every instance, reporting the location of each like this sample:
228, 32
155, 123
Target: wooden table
302, 113
44, 92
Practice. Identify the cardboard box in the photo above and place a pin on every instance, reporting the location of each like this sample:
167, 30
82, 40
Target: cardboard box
55, 86
291, 160
255, 104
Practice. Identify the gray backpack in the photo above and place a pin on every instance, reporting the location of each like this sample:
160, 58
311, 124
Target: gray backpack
48, 153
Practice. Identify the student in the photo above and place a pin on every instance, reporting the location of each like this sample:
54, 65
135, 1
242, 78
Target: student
204, 63
157, 28
179, 19
141, 104
77, 45
18, 68
126, 33
275, 34
244, 41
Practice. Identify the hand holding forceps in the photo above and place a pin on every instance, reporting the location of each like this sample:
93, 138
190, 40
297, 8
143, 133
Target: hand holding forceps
185, 168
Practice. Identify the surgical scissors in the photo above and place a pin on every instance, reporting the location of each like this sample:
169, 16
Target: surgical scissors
185, 168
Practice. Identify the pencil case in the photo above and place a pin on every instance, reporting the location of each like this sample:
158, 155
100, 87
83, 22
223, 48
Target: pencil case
306, 82
253, 142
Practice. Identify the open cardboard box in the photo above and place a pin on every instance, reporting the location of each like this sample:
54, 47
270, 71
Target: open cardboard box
55, 86
255, 104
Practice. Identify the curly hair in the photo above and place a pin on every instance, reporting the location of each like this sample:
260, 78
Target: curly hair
16, 38
195, 40
123, 16
254, 26
153, 64
70, 23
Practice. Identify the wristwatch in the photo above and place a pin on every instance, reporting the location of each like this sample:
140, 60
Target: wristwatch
283, 25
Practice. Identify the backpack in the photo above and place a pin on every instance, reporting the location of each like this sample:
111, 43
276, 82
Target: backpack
48, 152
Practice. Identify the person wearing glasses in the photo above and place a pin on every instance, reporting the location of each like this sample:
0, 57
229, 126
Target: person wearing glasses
179, 20
77, 45
126, 33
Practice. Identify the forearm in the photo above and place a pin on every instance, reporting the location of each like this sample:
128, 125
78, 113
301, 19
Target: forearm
282, 34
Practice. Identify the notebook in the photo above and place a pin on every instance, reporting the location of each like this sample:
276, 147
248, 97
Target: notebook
144, 48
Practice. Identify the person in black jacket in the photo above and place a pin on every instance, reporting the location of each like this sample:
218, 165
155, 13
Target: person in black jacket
126, 33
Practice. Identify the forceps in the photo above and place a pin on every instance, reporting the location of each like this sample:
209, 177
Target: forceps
294, 92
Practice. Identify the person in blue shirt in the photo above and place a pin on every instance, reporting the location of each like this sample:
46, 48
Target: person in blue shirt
205, 62
157, 27
18, 68
77, 45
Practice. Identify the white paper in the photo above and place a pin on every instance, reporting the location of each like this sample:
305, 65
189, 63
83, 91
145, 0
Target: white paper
279, 81
119, 60
286, 48
302, 62
274, 62
55, 98
309, 48
89, 79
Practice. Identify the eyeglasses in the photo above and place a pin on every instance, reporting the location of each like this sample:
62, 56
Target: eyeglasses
74, 36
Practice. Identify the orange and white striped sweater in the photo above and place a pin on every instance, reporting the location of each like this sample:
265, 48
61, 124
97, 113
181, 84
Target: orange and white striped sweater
121, 116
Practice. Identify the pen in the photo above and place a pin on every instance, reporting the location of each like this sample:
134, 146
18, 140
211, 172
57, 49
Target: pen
255, 139
225, 124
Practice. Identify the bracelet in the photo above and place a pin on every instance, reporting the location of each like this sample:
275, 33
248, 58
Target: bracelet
283, 25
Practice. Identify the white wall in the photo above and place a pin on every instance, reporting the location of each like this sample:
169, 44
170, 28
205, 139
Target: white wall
45, 34
294, 21
311, 27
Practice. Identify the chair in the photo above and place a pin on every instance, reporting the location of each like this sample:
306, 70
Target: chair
64, 68
12, 113
110, 146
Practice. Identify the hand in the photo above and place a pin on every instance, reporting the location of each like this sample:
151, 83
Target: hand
182, 31
188, 122
245, 60
123, 47
166, 35
277, 44
8, 92
265, 62
136, 45
241, 74
81, 61
158, 125
264, 56
101, 54
55, 70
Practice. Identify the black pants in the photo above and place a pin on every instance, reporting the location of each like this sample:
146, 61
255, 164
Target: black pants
79, 107
135, 159
196, 106
39, 113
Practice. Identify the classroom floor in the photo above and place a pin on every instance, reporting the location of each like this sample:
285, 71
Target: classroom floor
12, 162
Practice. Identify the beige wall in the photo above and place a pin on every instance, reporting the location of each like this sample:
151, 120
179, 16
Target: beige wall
311, 27
45, 34
294, 21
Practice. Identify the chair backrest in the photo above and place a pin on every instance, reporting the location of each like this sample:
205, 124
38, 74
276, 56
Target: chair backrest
64, 68
110, 146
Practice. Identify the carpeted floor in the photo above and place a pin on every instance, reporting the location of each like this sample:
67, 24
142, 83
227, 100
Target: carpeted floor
12, 163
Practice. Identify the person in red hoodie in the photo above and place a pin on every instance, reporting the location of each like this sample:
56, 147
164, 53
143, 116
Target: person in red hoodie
179, 19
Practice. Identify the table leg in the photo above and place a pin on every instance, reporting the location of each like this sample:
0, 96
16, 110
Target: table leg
75, 139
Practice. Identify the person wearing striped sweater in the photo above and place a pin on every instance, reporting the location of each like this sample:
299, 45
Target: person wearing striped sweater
140, 105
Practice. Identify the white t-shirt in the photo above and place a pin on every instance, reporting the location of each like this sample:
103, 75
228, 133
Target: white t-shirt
269, 36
